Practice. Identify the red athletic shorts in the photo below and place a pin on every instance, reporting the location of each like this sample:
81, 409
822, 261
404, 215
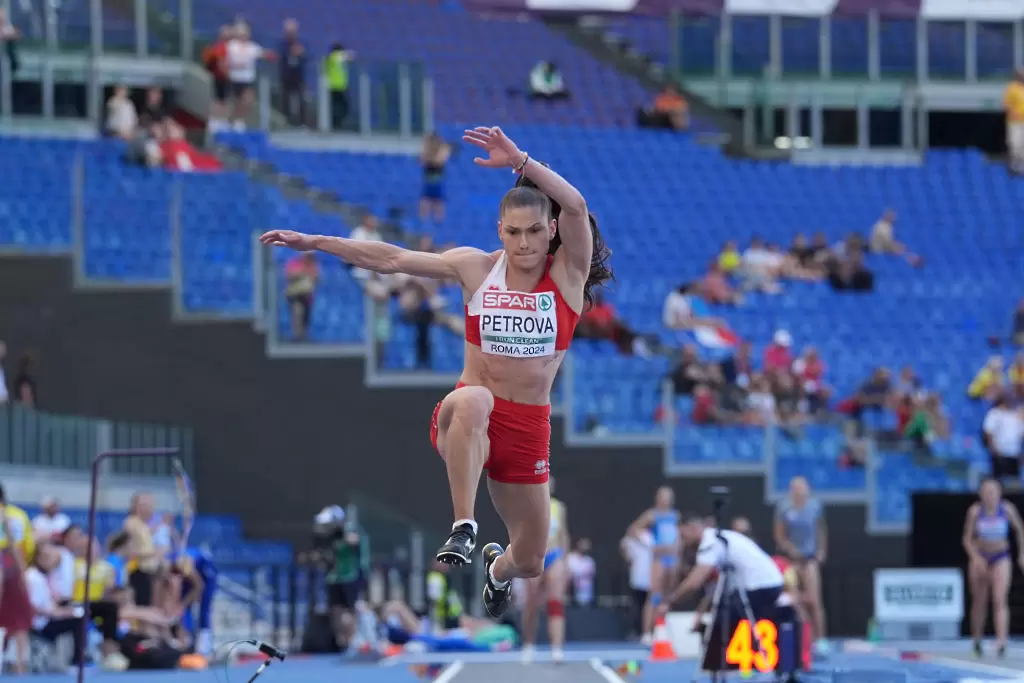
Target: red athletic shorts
520, 437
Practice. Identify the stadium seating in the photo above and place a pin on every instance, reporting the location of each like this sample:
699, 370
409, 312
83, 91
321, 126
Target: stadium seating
800, 48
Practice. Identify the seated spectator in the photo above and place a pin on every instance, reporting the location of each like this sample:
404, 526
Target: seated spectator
546, 82
681, 312
1017, 332
849, 274
738, 368
600, 321
928, 422
762, 410
883, 239
990, 381
729, 258
874, 394
778, 358
302, 274
705, 406
104, 596
907, 383
715, 289
122, 118
790, 403
154, 112
50, 523
1016, 376
689, 371
809, 370
670, 111
178, 154
803, 259
50, 621
760, 268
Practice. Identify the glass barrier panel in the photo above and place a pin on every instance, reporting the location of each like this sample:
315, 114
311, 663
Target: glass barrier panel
801, 46
848, 43
751, 45
947, 50
994, 50
41, 439
897, 48
698, 40
163, 28
120, 26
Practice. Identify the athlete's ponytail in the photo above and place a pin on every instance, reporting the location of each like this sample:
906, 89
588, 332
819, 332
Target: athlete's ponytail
600, 272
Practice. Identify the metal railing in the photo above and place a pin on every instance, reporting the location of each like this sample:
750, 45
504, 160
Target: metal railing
873, 46
41, 439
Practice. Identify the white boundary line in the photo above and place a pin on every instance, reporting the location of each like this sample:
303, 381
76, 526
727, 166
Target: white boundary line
860, 646
511, 656
604, 671
449, 673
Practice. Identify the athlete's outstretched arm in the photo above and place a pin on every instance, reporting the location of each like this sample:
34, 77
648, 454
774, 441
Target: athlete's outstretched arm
380, 257
574, 223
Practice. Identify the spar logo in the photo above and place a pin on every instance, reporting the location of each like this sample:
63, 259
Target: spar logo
514, 301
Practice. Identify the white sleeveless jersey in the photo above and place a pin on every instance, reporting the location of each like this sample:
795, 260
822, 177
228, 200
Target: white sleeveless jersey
513, 324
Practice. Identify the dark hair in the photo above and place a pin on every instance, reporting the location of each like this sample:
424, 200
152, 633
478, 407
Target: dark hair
600, 272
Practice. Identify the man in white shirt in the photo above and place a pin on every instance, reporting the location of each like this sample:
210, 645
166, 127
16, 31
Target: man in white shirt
242, 56
638, 551
760, 267
582, 569
1003, 431
50, 523
48, 620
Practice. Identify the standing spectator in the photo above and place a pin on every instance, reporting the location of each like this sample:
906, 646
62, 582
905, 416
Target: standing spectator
1002, 433
122, 119
1013, 105
582, 569
9, 38
302, 274
25, 388
50, 523
50, 621
434, 161
336, 72
293, 74
215, 60
778, 358
375, 285
638, 550
546, 82
241, 57
1017, 332
4, 395
136, 526
17, 545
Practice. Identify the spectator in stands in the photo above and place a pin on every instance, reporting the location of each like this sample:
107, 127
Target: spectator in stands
103, 590
293, 74
302, 274
178, 154
689, 372
990, 381
760, 268
335, 69
241, 58
883, 239
4, 395
907, 383
376, 286
50, 523
122, 118
25, 388
738, 368
928, 422
1017, 332
682, 312
715, 289
1003, 434
790, 404
778, 356
215, 61
1016, 376
154, 112
670, 110
137, 526
62, 578
849, 274
705, 406
600, 321
546, 82
434, 161
50, 621
803, 259
761, 408
875, 394
1013, 105
9, 37
729, 258
423, 305
809, 371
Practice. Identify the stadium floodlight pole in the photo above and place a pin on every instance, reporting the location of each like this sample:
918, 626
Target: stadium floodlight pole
93, 490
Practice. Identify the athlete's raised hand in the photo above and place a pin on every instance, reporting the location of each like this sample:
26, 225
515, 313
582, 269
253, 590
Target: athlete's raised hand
289, 238
501, 151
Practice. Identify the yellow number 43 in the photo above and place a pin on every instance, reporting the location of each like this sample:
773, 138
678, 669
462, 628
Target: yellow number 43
741, 652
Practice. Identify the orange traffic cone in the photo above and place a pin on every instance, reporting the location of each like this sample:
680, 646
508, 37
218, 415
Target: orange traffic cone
662, 650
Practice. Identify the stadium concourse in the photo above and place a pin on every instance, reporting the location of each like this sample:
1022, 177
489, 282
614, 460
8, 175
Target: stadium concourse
855, 662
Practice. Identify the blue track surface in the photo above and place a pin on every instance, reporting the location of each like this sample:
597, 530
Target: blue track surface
947, 663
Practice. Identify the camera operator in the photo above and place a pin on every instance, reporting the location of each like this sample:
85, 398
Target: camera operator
345, 554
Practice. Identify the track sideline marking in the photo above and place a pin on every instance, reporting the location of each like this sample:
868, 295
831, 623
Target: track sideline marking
511, 656
449, 673
864, 647
605, 672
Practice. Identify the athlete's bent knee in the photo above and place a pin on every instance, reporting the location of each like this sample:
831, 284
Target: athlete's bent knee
472, 406
530, 566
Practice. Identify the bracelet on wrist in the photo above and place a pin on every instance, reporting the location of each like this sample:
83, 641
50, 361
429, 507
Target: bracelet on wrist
522, 167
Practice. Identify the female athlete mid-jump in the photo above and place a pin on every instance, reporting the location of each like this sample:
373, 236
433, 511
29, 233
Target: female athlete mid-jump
522, 305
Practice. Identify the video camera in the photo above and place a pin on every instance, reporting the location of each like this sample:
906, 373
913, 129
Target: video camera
719, 501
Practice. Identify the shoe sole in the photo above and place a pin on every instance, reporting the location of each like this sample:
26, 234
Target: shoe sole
453, 559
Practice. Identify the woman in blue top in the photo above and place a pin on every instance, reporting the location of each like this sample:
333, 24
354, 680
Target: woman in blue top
987, 542
800, 535
662, 521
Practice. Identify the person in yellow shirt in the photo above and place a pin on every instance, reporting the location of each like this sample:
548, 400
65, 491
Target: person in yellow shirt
990, 380
1013, 105
729, 258
17, 546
